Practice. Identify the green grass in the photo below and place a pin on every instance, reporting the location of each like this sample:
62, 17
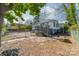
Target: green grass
22, 27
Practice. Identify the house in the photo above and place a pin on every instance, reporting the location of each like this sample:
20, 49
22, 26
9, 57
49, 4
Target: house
50, 19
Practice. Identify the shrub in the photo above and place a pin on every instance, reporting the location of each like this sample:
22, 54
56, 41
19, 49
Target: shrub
22, 27
29, 27
66, 27
13, 24
74, 27
4, 30
10, 52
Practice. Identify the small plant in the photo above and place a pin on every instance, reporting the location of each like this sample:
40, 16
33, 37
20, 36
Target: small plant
74, 27
27, 27
66, 28
10, 52
21, 27
4, 30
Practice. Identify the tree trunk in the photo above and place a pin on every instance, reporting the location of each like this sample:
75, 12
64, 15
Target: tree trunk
1, 20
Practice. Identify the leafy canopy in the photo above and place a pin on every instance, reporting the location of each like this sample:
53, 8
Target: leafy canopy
21, 8
70, 12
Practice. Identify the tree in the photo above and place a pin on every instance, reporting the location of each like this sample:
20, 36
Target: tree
18, 9
71, 15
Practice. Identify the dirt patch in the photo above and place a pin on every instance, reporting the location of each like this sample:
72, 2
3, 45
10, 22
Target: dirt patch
42, 46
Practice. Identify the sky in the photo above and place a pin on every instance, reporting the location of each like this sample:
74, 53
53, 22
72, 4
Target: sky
53, 11
27, 16
56, 11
